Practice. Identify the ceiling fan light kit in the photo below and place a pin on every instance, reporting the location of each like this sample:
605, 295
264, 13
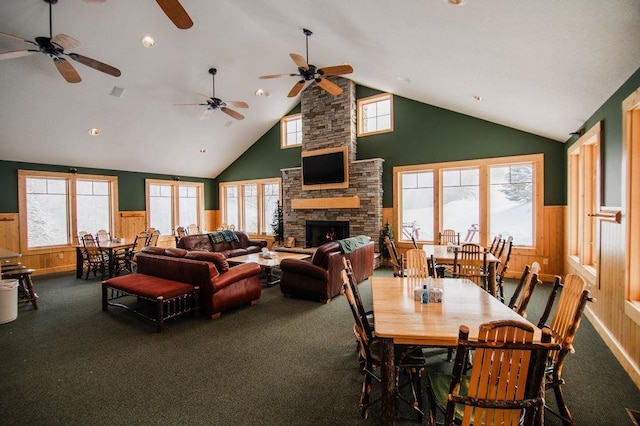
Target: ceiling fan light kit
309, 72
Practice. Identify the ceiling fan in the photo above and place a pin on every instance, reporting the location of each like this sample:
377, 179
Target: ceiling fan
53, 47
172, 8
308, 72
214, 103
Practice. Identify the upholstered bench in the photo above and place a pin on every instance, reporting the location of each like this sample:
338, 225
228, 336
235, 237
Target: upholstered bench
171, 298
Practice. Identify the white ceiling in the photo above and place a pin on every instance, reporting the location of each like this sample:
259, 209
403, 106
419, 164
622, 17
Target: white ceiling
541, 66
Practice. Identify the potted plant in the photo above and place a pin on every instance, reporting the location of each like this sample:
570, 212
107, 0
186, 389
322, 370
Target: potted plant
277, 224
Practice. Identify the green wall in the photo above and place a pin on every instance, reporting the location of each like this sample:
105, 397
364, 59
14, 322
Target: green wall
130, 185
611, 151
422, 134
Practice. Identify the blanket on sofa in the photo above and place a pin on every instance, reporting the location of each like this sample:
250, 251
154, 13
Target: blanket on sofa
347, 245
225, 236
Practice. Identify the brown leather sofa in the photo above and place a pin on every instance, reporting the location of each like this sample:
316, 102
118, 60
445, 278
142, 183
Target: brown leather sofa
320, 279
204, 242
221, 288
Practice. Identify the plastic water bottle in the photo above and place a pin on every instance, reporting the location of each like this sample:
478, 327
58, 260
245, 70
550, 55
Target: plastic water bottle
425, 294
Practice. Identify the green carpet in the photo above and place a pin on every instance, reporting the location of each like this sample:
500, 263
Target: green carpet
283, 362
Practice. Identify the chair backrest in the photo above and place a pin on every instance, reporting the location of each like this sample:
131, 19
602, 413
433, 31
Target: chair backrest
140, 241
504, 245
470, 261
528, 282
181, 232
193, 229
397, 261
449, 236
81, 235
568, 314
471, 233
152, 238
495, 244
359, 305
360, 329
91, 245
507, 371
103, 236
417, 269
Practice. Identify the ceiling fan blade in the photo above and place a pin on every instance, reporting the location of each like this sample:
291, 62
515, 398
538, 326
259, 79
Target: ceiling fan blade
66, 69
174, 10
65, 41
16, 38
15, 54
190, 104
205, 96
232, 113
299, 60
276, 76
205, 114
108, 69
330, 87
336, 70
237, 104
296, 89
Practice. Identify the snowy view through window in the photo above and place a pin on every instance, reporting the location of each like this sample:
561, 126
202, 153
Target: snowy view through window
47, 213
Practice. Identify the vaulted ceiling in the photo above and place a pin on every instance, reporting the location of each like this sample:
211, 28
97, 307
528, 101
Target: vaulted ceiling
540, 66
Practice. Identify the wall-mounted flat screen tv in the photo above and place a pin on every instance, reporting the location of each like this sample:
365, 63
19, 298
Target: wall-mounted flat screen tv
325, 168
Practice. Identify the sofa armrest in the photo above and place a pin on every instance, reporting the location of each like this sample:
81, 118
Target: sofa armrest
303, 267
259, 243
235, 274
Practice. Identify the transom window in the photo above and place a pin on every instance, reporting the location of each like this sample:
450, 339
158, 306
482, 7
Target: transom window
375, 114
478, 199
171, 204
291, 131
54, 207
250, 205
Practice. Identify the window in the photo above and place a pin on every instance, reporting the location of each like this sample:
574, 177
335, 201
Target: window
478, 199
54, 207
291, 131
250, 205
375, 114
584, 198
171, 204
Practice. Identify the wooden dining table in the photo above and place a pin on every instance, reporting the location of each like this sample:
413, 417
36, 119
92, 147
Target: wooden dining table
110, 247
445, 257
399, 319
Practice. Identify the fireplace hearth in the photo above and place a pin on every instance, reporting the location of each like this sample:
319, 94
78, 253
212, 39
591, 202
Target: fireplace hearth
319, 232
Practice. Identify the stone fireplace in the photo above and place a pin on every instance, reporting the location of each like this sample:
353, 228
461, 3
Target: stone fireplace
330, 122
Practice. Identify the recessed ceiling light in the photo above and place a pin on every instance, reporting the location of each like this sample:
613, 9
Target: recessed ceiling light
477, 98
147, 41
261, 92
457, 2
94, 132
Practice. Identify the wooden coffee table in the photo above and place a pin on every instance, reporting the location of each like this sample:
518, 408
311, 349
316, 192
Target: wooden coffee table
267, 264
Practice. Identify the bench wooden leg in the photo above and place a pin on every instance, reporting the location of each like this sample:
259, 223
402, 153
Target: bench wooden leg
159, 315
216, 316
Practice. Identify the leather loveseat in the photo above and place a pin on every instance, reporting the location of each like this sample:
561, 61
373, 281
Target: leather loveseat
221, 288
320, 278
216, 242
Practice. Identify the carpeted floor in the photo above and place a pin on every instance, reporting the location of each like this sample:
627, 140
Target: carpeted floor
283, 362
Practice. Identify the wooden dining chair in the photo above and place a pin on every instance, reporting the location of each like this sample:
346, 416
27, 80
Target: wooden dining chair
103, 236
96, 258
503, 267
564, 326
409, 360
504, 385
193, 229
417, 268
152, 238
495, 244
522, 294
448, 236
396, 260
470, 262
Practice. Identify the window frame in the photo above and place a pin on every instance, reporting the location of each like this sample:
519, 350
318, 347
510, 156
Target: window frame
71, 179
175, 196
284, 135
263, 224
584, 195
362, 102
537, 160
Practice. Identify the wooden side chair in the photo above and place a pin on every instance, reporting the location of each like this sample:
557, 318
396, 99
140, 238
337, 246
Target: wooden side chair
470, 262
564, 326
417, 269
495, 244
448, 236
193, 229
409, 360
397, 261
522, 294
152, 239
17, 271
103, 236
96, 259
503, 267
504, 386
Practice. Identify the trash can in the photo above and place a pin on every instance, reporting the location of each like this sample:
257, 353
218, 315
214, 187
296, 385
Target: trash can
8, 300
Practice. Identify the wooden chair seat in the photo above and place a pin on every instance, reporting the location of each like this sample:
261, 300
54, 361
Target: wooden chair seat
25, 283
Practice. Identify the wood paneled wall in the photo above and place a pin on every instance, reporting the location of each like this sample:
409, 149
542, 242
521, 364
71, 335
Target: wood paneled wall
550, 255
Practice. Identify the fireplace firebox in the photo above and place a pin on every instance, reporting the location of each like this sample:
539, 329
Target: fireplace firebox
319, 232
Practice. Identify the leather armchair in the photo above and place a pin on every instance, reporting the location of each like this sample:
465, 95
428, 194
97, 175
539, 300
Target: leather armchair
320, 278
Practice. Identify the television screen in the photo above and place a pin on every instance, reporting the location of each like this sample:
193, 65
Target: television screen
323, 168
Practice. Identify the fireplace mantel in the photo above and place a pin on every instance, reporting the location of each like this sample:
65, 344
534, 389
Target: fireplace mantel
352, 202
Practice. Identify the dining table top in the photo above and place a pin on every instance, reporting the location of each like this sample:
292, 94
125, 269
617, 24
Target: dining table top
399, 317
442, 255
8, 254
